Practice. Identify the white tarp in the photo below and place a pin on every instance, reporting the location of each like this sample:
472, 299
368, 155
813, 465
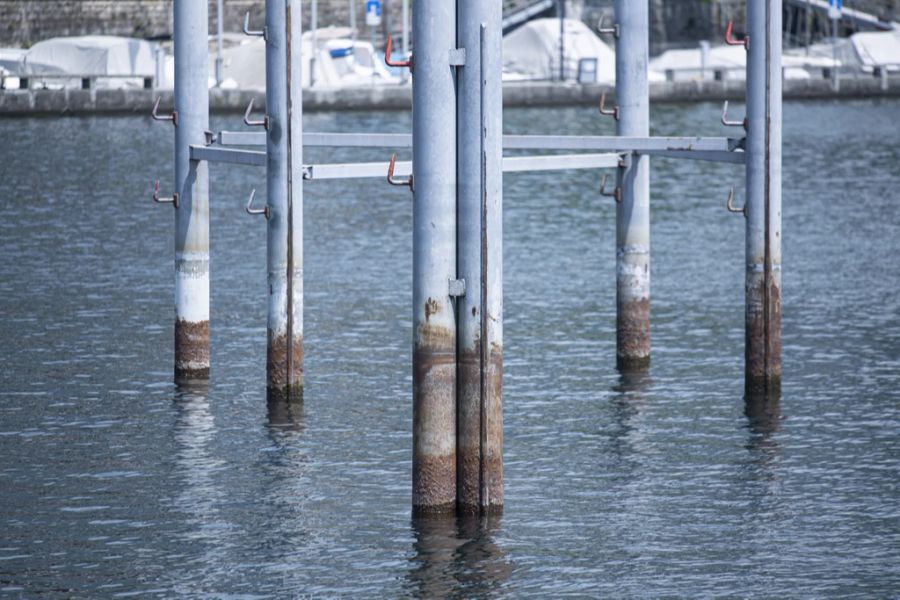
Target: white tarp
94, 55
532, 51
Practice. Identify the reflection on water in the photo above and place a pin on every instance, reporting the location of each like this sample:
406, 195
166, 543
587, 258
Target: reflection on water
285, 414
763, 413
457, 557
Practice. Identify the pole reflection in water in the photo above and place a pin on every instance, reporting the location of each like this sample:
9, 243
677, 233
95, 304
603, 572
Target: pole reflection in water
628, 404
763, 413
457, 557
196, 464
281, 518
284, 413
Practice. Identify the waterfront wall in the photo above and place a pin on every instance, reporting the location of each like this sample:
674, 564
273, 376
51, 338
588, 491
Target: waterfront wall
672, 22
73, 102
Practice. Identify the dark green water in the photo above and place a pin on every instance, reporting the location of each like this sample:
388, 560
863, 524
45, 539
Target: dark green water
114, 483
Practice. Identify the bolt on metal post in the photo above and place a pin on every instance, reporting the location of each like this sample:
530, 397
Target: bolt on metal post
284, 184
633, 212
479, 259
763, 208
192, 187
434, 259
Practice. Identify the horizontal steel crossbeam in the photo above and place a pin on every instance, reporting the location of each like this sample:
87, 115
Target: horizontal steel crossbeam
254, 158
511, 164
715, 149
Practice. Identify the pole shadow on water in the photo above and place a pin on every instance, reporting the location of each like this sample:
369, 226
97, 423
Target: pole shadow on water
457, 557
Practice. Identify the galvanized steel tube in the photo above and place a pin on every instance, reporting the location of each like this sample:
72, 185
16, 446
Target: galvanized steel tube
633, 212
763, 228
480, 236
284, 181
434, 259
192, 186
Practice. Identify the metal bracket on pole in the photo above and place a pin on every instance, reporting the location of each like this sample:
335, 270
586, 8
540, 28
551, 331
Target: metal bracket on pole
256, 211
458, 57
613, 30
457, 288
728, 123
154, 114
614, 113
733, 42
390, 175
731, 207
408, 63
616, 193
263, 33
247, 121
173, 199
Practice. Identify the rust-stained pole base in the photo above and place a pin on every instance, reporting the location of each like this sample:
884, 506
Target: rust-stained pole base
191, 350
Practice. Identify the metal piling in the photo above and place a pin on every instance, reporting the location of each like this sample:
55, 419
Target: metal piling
633, 212
434, 259
763, 227
284, 184
479, 259
192, 187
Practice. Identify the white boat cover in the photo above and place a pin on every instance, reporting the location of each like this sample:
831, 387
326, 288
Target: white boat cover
875, 49
731, 63
340, 62
95, 55
11, 58
532, 51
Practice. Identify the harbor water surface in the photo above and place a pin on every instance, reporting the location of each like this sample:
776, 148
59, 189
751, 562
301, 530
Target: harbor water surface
114, 482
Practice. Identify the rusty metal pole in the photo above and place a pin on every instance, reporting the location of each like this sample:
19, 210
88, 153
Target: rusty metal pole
633, 212
434, 259
763, 229
480, 311
192, 186
284, 184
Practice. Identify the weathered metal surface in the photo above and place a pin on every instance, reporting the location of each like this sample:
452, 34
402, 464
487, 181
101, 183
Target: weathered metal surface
434, 260
284, 179
633, 334
191, 350
763, 205
434, 420
479, 255
282, 381
192, 187
633, 212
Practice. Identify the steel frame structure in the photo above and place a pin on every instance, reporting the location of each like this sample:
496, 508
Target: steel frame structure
457, 282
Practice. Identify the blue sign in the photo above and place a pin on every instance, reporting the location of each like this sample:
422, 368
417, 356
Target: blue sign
835, 9
373, 13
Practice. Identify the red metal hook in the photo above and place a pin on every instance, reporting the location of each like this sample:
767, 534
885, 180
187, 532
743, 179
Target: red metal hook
614, 113
390, 174
173, 199
733, 42
393, 63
